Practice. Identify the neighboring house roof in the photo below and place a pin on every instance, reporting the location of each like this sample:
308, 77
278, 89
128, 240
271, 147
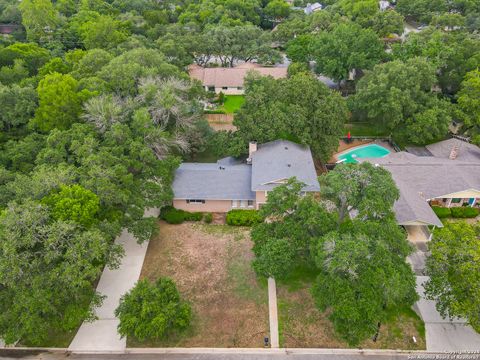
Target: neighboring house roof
466, 151
213, 181
421, 178
232, 77
232, 179
280, 160
310, 8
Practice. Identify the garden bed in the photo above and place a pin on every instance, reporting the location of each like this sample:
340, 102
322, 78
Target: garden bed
211, 267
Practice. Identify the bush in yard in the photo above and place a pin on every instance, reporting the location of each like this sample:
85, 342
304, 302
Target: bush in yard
152, 311
208, 218
441, 212
243, 217
464, 212
192, 216
172, 215
177, 216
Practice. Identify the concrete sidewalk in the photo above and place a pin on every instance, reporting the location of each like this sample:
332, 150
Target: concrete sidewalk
443, 334
101, 335
272, 312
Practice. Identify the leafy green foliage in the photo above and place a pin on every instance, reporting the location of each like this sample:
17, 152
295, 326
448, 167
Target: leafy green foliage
294, 222
398, 96
441, 212
347, 47
239, 217
299, 108
464, 212
469, 102
74, 203
152, 311
363, 275
47, 270
275, 259
453, 268
59, 102
178, 216
368, 189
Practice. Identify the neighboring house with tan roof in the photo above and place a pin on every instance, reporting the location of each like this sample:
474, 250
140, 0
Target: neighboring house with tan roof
446, 173
230, 81
230, 183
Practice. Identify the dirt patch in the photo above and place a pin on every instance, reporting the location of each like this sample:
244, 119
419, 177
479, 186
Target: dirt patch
211, 266
221, 122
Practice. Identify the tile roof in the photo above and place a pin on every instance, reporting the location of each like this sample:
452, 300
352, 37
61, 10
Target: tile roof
232, 77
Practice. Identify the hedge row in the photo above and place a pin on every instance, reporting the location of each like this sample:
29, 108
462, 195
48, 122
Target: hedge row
240, 217
456, 212
177, 216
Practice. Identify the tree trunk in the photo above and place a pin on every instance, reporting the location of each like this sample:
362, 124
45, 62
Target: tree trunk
375, 337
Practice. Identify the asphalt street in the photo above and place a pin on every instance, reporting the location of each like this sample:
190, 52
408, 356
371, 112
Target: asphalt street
244, 354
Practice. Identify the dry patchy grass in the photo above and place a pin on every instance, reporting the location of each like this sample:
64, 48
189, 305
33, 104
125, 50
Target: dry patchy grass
211, 266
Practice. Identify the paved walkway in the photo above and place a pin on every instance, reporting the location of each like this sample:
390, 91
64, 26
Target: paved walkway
101, 335
443, 334
272, 312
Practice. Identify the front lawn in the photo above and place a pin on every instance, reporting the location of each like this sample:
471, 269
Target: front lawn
302, 325
211, 267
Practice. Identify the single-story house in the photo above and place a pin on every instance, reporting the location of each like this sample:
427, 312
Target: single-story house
230, 81
235, 184
446, 174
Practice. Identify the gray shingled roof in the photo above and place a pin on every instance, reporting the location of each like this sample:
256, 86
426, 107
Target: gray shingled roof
224, 180
232, 179
466, 152
281, 160
421, 178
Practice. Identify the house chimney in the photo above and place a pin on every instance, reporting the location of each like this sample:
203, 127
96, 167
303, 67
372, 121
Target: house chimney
454, 152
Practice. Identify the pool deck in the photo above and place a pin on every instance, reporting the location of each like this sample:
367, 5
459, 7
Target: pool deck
344, 147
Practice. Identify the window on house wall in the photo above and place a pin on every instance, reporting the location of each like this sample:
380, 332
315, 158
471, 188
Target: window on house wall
243, 203
250, 203
456, 200
211, 88
234, 203
224, 87
195, 201
239, 88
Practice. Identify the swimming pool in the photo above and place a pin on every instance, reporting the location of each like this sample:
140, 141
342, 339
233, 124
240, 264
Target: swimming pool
366, 151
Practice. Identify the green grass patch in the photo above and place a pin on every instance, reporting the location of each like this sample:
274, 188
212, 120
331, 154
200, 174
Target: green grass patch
232, 104
301, 276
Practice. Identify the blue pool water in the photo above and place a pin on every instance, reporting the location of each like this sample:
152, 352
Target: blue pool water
366, 151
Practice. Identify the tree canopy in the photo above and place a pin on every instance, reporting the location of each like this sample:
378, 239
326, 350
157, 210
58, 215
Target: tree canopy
299, 108
152, 311
356, 247
454, 269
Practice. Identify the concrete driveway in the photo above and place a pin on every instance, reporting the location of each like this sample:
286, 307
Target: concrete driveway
443, 334
102, 335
